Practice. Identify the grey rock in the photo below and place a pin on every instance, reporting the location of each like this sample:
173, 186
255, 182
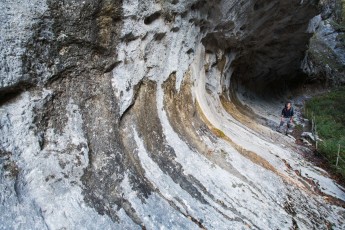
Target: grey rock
111, 116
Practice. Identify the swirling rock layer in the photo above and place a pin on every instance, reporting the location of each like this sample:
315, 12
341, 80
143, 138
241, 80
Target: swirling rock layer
122, 114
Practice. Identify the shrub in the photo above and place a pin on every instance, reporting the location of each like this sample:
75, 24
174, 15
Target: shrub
329, 110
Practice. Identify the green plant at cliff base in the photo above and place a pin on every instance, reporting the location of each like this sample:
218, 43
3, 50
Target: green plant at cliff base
339, 12
329, 113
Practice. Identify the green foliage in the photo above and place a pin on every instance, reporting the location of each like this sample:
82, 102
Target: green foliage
339, 27
340, 12
341, 39
299, 127
329, 112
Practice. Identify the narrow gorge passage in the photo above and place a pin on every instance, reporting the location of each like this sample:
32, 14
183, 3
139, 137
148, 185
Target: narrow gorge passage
128, 114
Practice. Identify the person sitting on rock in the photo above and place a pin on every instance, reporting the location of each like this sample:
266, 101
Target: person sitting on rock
287, 117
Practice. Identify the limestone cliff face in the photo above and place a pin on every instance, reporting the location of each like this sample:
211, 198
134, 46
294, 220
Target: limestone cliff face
325, 58
120, 114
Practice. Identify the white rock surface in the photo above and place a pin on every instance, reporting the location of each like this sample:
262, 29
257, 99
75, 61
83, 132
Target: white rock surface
17, 19
250, 178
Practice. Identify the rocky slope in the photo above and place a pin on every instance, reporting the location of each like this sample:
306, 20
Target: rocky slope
325, 58
123, 114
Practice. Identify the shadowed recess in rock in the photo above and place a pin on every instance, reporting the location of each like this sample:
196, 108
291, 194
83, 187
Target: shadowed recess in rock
152, 114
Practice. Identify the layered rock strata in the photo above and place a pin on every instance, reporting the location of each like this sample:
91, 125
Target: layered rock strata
120, 114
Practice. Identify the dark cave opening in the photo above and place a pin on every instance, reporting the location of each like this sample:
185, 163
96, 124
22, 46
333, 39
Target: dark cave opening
270, 44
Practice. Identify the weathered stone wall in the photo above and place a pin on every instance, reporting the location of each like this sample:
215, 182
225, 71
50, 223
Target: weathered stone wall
324, 62
19, 20
270, 43
111, 117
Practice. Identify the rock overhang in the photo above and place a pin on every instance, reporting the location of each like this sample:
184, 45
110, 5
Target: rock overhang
135, 130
